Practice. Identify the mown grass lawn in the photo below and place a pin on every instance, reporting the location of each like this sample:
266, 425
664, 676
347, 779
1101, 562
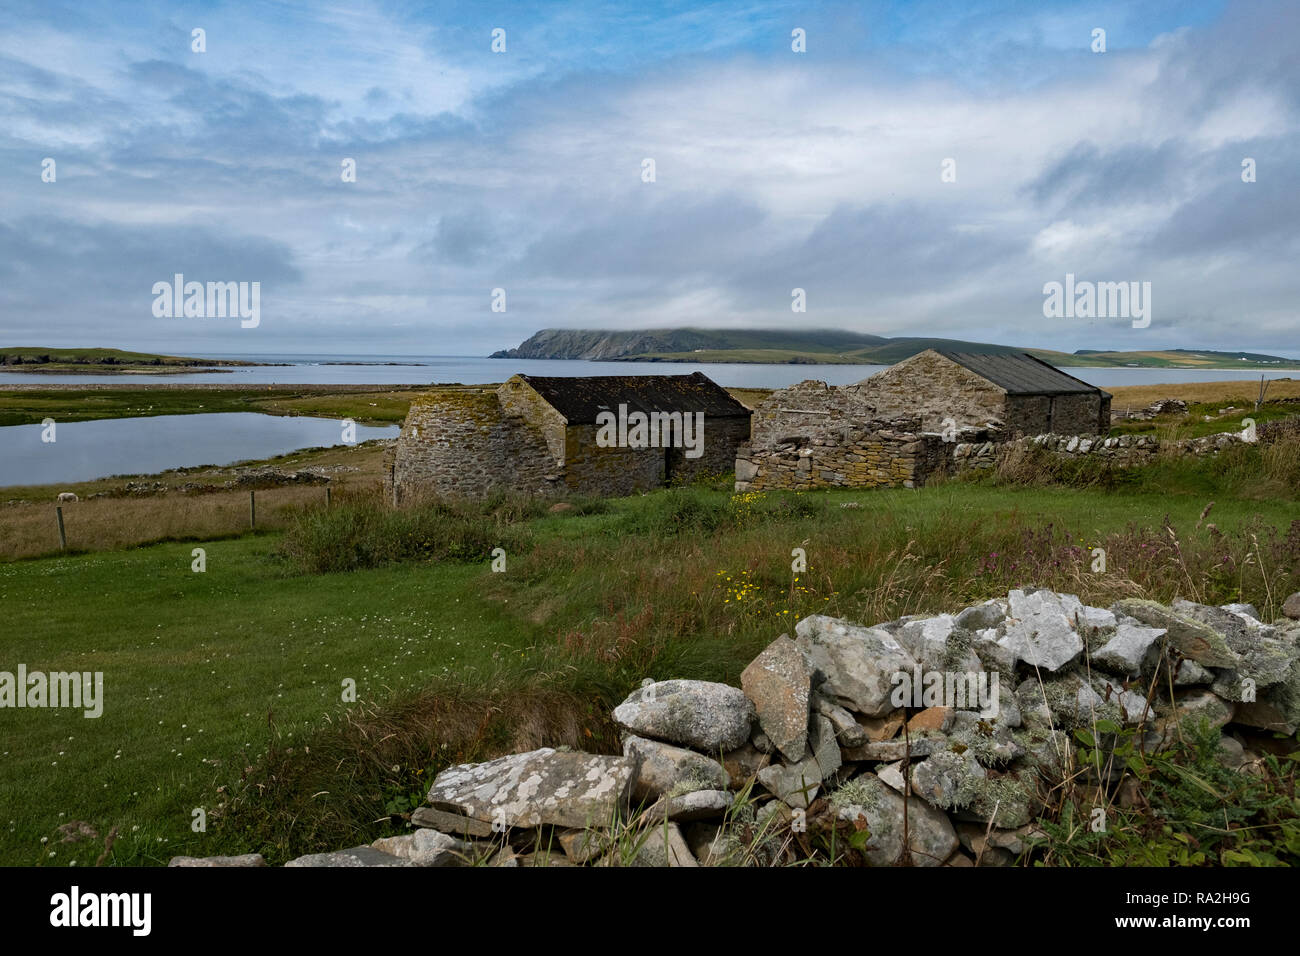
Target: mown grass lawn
194, 663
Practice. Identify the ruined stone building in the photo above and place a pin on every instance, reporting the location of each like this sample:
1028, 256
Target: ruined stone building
911, 421
600, 435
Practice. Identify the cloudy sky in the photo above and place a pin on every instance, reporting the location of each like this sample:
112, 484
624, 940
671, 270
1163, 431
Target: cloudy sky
522, 170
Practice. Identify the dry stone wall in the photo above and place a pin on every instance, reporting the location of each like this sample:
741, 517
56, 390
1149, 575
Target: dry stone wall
942, 736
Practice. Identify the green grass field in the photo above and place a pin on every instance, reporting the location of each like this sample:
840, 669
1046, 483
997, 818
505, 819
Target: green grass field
369, 405
229, 682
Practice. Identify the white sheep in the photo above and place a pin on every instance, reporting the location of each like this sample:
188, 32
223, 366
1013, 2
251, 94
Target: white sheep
67, 496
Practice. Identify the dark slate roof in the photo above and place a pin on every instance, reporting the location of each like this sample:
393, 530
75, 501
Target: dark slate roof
579, 400
1020, 374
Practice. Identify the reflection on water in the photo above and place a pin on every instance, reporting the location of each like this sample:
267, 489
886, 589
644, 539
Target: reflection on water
83, 451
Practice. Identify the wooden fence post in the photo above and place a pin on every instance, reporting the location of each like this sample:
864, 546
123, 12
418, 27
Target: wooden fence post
327, 496
252, 509
63, 538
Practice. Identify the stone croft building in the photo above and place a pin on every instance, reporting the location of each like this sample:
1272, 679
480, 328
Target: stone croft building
1016, 394
599, 435
911, 421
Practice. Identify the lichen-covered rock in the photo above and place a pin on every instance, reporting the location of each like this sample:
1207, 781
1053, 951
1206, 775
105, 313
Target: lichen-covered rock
795, 784
696, 805
426, 847
1127, 649
357, 856
1249, 610
939, 644
1265, 658
703, 715
930, 836
990, 614
244, 859
1192, 638
539, 787
857, 664
847, 730
743, 764
779, 682
896, 749
665, 846
662, 768
1196, 704
1040, 630
1190, 674
947, 779
453, 823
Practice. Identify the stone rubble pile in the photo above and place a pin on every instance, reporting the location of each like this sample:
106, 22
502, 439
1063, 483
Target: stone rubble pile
939, 735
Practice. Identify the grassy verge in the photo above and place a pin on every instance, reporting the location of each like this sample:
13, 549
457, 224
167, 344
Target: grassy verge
224, 688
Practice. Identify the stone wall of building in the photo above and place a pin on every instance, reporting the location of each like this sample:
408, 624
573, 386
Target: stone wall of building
934, 388
518, 400
593, 470
866, 455
1082, 414
722, 439
460, 443
472, 442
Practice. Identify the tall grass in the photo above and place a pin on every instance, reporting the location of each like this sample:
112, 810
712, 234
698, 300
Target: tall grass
363, 532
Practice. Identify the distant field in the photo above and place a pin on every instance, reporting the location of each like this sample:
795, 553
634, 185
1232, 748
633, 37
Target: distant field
368, 404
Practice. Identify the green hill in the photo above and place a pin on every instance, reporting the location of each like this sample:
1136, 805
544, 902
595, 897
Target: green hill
835, 347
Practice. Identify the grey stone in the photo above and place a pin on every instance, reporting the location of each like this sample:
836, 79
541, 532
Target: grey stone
778, 682
1247, 609
696, 805
1039, 631
797, 785
1094, 619
357, 856
1191, 674
847, 730
454, 823
1202, 703
995, 657
823, 746
743, 764
990, 614
665, 846
1125, 652
857, 663
1133, 705
426, 848
896, 749
1192, 638
539, 787
699, 714
662, 768
1291, 606
946, 779
891, 774
1231, 753
244, 859
938, 644
930, 836
582, 845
